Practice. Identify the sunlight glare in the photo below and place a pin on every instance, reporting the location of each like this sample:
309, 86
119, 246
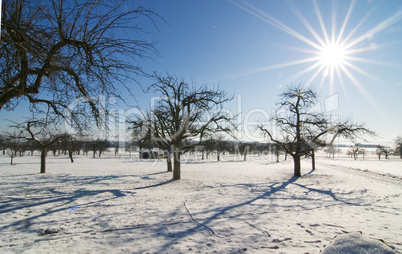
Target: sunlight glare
332, 56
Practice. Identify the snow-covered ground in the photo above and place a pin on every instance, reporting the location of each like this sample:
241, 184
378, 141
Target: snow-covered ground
371, 164
114, 205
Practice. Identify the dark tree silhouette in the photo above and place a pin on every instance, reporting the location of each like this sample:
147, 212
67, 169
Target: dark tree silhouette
56, 52
71, 144
185, 112
301, 130
398, 144
41, 132
11, 149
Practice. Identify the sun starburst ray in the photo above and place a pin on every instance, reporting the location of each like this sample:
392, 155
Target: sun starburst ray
333, 23
363, 91
380, 27
335, 46
304, 21
365, 73
345, 22
321, 22
355, 29
276, 23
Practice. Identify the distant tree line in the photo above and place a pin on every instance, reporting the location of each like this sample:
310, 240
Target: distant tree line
61, 144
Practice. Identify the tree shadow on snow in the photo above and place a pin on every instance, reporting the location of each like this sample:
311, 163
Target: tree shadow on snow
62, 201
307, 195
220, 212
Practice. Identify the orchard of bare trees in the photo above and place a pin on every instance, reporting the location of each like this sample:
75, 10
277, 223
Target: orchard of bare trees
60, 56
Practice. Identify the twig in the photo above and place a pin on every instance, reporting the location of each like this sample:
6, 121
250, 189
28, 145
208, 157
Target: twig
200, 224
260, 229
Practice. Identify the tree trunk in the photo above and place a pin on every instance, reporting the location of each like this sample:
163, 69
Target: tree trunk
70, 154
218, 156
246, 150
169, 161
43, 160
176, 163
313, 160
297, 165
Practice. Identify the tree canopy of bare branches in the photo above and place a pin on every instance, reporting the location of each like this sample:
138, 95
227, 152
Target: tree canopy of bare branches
42, 132
300, 129
54, 52
184, 112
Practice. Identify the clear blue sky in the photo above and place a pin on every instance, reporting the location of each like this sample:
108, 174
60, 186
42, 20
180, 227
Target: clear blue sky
250, 48
254, 49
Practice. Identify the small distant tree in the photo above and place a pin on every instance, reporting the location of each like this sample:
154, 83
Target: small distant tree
3, 144
221, 146
387, 152
277, 150
208, 147
71, 144
99, 146
354, 151
42, 132
398, 146
12, 149
382, 150
378, 151
32, 146
363, 152
331, 151
142, 134
243, 148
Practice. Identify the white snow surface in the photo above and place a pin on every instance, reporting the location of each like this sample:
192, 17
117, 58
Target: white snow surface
114, 205
355, 243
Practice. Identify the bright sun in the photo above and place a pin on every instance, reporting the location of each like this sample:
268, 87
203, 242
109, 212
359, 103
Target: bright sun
332, 56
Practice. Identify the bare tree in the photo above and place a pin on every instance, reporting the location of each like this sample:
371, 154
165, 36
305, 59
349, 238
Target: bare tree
243, 148
301, 130
12, 149
398, 146
382, 150
40, 131
55, 52
142, 134
184, 112
99, 146
355, 151
221, 146
71, 144
331, 151
3, 144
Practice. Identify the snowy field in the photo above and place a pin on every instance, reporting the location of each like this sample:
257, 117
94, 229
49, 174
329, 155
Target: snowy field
114, 205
